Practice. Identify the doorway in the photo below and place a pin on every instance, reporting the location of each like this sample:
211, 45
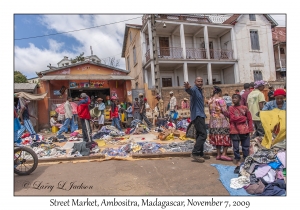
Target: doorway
97, 93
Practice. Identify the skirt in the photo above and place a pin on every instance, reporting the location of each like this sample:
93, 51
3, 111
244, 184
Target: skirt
220, 137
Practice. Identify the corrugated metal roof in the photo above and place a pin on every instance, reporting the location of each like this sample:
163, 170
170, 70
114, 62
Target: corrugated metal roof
24, 86
86, 77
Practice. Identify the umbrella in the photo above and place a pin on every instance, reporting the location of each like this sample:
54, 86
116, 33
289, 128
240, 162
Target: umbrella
61, 109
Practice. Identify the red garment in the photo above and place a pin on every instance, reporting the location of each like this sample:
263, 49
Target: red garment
244, 97
240, 120
25, 135
83, 110
114, 114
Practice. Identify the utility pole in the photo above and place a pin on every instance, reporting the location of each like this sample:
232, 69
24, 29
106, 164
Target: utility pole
155, 56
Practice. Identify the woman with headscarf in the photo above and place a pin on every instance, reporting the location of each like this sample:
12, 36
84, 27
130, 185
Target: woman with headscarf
219, 127
278, 103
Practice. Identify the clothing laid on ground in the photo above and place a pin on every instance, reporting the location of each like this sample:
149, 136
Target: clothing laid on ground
219, 127
269, 120
273, 105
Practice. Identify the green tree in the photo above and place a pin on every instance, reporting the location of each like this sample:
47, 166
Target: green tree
19, 77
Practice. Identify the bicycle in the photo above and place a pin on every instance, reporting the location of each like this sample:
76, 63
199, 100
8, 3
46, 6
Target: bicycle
25, 160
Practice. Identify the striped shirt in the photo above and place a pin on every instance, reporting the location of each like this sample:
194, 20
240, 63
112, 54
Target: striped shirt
197, 102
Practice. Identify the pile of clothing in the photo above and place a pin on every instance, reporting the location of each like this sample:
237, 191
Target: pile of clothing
107, 130
137, 127
263, 172
183, 124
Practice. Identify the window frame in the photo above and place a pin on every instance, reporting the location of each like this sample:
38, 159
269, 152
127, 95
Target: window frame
252, 17
257, 72
254, 43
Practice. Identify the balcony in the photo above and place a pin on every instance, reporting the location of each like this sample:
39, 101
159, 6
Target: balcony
277, 63
191, 18
191, 53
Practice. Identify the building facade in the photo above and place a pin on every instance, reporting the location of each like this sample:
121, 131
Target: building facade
91, 77
279, 43
238, 50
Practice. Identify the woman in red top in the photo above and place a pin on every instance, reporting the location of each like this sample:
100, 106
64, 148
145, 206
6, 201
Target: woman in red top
240, 126
114, 114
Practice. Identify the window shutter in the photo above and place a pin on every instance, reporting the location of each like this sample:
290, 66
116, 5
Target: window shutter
254, 40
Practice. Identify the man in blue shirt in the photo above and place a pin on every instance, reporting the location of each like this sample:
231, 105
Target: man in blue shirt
197, 118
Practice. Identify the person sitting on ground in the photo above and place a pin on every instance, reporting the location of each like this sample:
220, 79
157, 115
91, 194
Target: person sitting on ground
227, 99
129, 114
53, 121
101, 108
278, 103
241, 126
185, 104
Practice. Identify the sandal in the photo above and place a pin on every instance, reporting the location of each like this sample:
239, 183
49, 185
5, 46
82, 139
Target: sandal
218, 157
226, 158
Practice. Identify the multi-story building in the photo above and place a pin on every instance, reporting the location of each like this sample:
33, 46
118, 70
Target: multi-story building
279, 43
233, 49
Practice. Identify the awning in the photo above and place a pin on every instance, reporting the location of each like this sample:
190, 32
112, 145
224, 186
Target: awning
87, 77
24, 87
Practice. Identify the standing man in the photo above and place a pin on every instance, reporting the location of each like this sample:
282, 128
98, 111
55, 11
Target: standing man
256, 100
24, 116
172, 103
197, 118
271, 94
160, 106
84, 115
68, 118
245, 94
136, 109
143, 111
101, 108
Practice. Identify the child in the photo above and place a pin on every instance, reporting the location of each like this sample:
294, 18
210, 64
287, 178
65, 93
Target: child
129, 114
241, 126
53, 122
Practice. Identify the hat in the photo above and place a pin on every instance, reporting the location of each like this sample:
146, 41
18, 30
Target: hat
113, 98
171, 92
141, 94
259, 83
158, 96
279, 92
185, 99
99, 99
76, 99
256, 188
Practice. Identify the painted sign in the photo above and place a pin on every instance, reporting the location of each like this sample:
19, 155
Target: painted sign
73, 85
97, 84
56, 93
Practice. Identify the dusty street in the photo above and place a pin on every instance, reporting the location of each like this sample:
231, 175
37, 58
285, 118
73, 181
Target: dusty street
168, 176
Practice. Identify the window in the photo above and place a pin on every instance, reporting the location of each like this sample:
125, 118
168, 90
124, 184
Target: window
254, 39
257, 75
164, 46
282, 50
167, 82
134, 55
252, 17
128, 63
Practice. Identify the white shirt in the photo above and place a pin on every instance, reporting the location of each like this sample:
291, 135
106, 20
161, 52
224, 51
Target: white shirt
172, 103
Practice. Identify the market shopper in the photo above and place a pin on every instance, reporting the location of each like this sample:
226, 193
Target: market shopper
197, 118
243, 100
114, 113
219, 127
271, 96
101, 108
227, 99
25, 117
129, 114
17, 125
136, 109
160, 106
143, 111
172, 105
241, 126
84, 115
69, 119
185, 104
256, 100
279, 101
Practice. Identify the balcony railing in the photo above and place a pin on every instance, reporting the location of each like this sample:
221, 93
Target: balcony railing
170, 52
147, 55
277, 63
221, 54
194, 18
191, 53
